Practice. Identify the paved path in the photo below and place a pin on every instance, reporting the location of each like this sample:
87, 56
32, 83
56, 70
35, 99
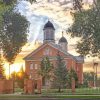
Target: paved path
30, 97
43, 99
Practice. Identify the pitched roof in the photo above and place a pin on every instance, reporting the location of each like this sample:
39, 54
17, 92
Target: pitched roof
56, 46
77, 58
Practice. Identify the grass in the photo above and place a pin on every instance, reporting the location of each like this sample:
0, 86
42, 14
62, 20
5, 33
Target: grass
79, 91
84, 93
33, 97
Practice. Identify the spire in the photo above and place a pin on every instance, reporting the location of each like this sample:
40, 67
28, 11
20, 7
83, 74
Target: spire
62, 33
49, 32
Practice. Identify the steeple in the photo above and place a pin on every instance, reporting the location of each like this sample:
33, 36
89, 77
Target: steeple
63, 42
49, 32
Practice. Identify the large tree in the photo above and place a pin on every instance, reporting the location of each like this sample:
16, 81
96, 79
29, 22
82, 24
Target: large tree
87, 26
46, 69
6, 5
60, 73
13, 34
71, 75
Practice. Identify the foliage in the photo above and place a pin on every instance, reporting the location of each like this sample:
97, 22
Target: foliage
2, 71
19, 77
8, 2
71, 74
88, 76
11, 22
6, 5
31, 1
13, 34
60, 73
77, 4
86, 25
46, 68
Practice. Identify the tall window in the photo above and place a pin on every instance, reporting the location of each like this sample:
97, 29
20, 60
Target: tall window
36, 66
31, 66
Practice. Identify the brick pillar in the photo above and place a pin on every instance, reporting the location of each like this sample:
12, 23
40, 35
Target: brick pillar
25, 86
1, 86
73, 85
6, 86
9, 86
33, 86
39, 85
30, 86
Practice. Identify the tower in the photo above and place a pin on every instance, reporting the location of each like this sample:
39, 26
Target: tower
49, 32
63, 43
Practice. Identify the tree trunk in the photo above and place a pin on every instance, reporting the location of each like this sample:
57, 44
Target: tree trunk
46, 85
9, 71
59, 90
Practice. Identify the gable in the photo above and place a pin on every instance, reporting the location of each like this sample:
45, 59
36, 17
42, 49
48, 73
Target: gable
34, 52
42, 51
53, 50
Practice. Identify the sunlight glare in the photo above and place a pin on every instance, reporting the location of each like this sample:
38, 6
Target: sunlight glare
13, 68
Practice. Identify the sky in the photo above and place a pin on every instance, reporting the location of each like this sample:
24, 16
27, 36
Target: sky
57, 11
38, 13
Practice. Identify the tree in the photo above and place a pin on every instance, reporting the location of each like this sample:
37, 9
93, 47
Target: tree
77, 4
31, 1
2, 71
8, 2
60, 73
10, 21
86, 25
13, 35
71, 75
46, 69
6, 5
88, 76
19, 77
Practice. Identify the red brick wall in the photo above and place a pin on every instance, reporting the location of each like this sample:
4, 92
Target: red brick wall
29, 86
80, 72
6, 86
71, 63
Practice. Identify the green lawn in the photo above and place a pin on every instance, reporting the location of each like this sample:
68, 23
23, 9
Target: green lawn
40, 96
82, 93
79, 91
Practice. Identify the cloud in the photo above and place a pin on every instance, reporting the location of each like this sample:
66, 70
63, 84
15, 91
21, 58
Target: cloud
38, 13
57, 11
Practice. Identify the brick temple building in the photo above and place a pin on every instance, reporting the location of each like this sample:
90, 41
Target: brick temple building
50, 48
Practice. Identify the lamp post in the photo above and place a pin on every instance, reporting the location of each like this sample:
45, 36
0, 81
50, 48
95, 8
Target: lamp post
95, 64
